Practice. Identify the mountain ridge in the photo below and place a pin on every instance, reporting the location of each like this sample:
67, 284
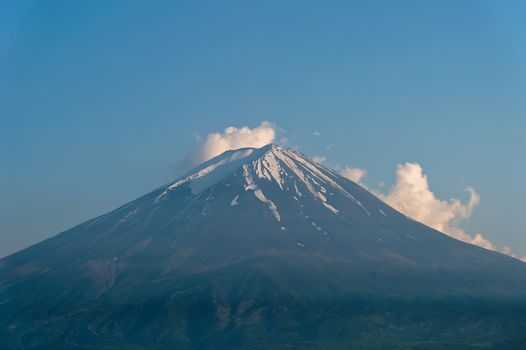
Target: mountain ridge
252, 244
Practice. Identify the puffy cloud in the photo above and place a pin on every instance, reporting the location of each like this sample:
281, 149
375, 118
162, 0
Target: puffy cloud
231, 138
319, 159
412, 196
353, 174
316, 133
234, 138
484, 243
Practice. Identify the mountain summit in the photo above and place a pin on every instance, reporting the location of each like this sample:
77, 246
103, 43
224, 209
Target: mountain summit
258, 248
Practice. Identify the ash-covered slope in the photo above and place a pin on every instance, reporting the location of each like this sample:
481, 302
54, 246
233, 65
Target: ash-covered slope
256, 246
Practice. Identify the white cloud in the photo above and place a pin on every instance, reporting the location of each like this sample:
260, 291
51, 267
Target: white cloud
319, 159
482, 242
412, 196
353, 174
316, 133
231, 138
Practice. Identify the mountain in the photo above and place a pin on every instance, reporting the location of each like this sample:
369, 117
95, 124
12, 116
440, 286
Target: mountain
258, 249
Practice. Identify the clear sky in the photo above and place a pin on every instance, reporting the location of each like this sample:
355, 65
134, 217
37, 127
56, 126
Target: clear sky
99, 99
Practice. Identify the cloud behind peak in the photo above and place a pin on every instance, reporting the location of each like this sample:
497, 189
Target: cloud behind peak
230, 138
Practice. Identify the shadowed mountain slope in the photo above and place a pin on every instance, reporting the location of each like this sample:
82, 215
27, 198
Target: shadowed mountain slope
259, 248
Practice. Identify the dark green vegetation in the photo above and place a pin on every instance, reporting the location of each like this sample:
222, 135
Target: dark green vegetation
359, 325
213, 264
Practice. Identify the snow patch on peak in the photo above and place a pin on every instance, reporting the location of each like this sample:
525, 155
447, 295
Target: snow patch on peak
251, 185
273, 208
296, 188
210, 172
331, 208
287, 168
272, 167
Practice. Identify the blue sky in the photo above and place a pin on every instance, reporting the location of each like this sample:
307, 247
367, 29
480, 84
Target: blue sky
99, 100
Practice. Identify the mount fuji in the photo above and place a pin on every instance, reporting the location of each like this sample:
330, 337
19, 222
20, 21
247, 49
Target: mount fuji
258, 249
